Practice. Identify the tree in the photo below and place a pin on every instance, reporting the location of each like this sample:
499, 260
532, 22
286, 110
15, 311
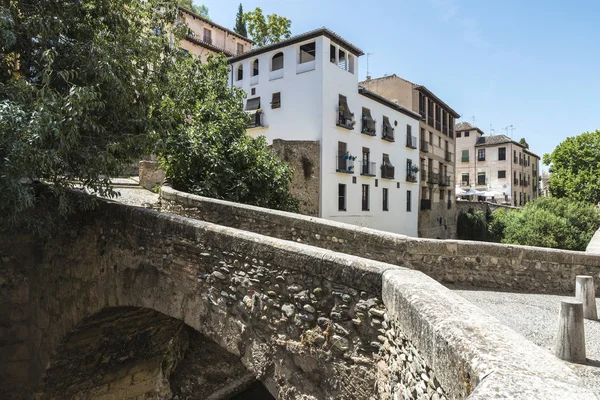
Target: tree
524, 143
240, 24
575, 168
547, 222
212, 155
77, 97
265, 32
201, 10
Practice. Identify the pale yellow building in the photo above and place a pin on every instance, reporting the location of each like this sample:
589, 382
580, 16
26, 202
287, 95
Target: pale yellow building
496, 164
205, 37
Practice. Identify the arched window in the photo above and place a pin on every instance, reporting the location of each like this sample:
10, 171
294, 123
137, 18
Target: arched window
255, 68
277, 62
240, 72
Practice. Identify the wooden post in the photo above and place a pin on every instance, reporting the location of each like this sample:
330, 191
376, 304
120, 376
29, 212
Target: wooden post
585, 292
570, 340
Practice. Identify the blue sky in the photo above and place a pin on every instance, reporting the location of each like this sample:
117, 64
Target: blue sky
533, 64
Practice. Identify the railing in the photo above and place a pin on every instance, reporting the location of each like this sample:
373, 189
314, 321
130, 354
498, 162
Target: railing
207, 39
344, 164
482, 182
438, 125
448, 156
445, 129
411, 176
425, 204
444, 180
254, 119
387, 171
367, 168
368, 127
430, 120
451, 132
344, 122
411, 141
387, 133
424, 146
464, 183
433, 177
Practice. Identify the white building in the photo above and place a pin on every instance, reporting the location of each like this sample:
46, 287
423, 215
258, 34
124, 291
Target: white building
306, 89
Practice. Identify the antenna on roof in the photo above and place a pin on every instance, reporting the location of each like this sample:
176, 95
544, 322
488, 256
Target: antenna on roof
512, 128
492, 131
368, 72
473, 118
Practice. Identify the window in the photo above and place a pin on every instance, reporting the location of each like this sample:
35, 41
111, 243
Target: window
307, 53
387, 169
344, 115
442, 195
385, 199
365, 197
481, 155
502, 153
481, 178
252, 91
515, 156
437, 118
444, 126
515, 199
431, 139
458, 134
422, 105
342, 59
528, 161
277, 62
465, 156
387, 130
332, 52
342, 161
408, 200
451, 126
240, 48
516, 179
341, 197
255, 68
430, 112
253, 104
467, 134
465, 180
440, 142
240, 72
276, 100
207, 36
501, 174
368, 123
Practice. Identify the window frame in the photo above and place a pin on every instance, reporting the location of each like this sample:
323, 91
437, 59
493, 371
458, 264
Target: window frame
408, 201
255, 67
385, 197
342, 197
273, 61
365, 197
301, 52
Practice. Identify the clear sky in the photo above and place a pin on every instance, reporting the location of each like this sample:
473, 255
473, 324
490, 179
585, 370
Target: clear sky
533, 64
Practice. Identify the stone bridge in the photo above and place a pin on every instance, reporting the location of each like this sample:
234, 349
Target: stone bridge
129, 303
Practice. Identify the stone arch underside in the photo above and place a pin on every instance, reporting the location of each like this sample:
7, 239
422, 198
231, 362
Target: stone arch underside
131, 353
304, 336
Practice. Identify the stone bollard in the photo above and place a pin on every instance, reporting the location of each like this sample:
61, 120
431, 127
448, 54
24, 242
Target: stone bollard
570, 340
585, 292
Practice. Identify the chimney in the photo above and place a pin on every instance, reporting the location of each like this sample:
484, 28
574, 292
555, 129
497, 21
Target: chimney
368, 77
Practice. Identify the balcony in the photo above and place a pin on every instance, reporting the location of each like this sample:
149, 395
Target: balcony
207, 39
444, 180
425, 204
345, 120
387, 133
345, 164
254, 119
424, 146
448, 156
445, 129
387, 171
411, 176
433, 177
367, 168
411, 141
482, 182
430, 120
368, 127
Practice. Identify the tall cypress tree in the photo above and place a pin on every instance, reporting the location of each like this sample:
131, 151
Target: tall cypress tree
240, 25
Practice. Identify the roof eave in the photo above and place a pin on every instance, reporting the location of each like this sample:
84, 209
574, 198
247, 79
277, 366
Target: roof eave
430, 93
380, 99
208, 21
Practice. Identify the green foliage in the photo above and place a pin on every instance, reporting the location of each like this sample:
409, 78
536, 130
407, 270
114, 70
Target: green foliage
240, 24
201, 10
524, 143
211, 155
575, 168
547, 222
76, 102
472, 225
271, 30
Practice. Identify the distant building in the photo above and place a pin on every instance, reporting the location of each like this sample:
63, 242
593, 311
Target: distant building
496, 164
545, 184
354, 152
204, 37
437, 216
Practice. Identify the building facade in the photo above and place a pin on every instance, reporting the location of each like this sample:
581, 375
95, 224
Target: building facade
204, 37
437, 216
496, 164
302, 94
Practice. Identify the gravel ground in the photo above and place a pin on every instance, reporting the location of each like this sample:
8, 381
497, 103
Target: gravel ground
535, 316
136, 196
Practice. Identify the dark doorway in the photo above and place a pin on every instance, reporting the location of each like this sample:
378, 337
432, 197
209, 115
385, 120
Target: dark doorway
256, 391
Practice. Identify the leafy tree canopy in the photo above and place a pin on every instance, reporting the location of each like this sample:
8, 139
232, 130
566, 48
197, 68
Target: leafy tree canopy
264, 32
240, 24
200, 10
524, 143
547, 222
212, 155
575, 168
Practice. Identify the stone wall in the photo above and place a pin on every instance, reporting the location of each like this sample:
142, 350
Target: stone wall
150, 174
304, 157
310, 323
484, 265
485, 206
440, 221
